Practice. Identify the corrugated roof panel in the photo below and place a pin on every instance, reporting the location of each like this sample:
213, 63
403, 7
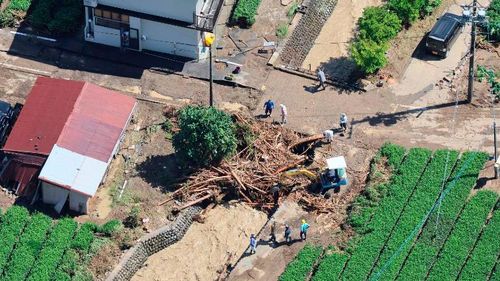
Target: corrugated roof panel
73, 171
95, 126
43, 116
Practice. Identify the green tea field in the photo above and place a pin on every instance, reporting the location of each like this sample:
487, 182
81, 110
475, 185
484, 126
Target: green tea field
424, 223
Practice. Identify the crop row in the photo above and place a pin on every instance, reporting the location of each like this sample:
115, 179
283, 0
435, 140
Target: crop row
495, 275
331, 267
50, 256
394, 154
366, 204
463, 237
442, 219
29, 245
421, 202
483, 257
302, 265
12, 225
401, 188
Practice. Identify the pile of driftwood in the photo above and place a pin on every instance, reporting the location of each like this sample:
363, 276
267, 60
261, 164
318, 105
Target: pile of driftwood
251, 174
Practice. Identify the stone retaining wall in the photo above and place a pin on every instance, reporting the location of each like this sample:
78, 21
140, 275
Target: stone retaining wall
304, 35
152, 243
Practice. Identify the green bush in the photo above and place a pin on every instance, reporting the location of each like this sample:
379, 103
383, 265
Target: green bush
368, 55
302, 265
407, 11
378, 24
110, 227
206, 136
245, 11
282, 30
493, 14
19, 5
57, 18
6, 18
83, 237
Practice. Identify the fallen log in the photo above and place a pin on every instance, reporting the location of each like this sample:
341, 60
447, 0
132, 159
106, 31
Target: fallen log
289, 166
306, 140
172, 196
199, 200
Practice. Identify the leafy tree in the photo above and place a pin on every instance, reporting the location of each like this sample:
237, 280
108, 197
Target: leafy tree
379, 24
407, 10
494, 19
206, 136
368, 55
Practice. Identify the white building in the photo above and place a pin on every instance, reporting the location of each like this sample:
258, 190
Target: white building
167, 26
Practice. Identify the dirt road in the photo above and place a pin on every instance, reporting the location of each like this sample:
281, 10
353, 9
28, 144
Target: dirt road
205, 247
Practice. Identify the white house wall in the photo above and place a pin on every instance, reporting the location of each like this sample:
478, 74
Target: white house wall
170, 39
107, 36
174, 9
53, 194
78, 202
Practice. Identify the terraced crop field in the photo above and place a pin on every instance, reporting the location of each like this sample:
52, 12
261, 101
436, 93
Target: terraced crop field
426, 225
37, 248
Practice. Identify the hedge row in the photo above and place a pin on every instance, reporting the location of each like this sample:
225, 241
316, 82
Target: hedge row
57, 16
330, 267
432, 238
301, 266
378, 25
366, 204
401, 188
483, 257
463, 237
27, 249
495, 275
12, 225
245, 11
52, 252
421, 202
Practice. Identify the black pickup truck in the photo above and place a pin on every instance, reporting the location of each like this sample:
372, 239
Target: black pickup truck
444, 33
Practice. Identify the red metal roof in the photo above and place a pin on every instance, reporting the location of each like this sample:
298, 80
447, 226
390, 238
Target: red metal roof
78, 116
97, 122
43, 116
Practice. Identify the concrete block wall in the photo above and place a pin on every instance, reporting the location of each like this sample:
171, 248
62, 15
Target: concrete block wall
152, 243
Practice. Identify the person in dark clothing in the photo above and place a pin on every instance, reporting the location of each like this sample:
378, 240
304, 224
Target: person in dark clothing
273, 233
268, 107
288, 234
275, 190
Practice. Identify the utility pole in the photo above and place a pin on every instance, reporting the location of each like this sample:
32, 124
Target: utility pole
208, 41
211, 77
470, 87
495, 145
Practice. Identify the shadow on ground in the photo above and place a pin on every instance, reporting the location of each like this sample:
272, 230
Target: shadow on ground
389, 119
74, 53
161, 171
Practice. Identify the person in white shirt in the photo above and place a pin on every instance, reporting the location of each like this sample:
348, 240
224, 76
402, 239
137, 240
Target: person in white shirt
343, 122
284, 114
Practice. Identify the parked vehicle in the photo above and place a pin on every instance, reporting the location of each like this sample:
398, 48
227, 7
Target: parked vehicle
8, 116
444, 33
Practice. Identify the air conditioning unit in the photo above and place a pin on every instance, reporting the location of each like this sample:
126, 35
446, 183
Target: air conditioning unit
90, 3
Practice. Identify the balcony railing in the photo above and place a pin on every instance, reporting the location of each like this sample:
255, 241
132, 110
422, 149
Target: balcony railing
207, 19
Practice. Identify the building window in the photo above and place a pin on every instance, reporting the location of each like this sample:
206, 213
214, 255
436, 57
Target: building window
110, 19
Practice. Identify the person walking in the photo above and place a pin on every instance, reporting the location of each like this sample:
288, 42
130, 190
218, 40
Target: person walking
321, 79
268, 107
343, 122
288, 234
275, 190
303, 230
273, 233
284, 114
253, 244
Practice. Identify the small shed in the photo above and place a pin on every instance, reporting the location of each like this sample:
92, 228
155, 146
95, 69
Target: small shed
73, 129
